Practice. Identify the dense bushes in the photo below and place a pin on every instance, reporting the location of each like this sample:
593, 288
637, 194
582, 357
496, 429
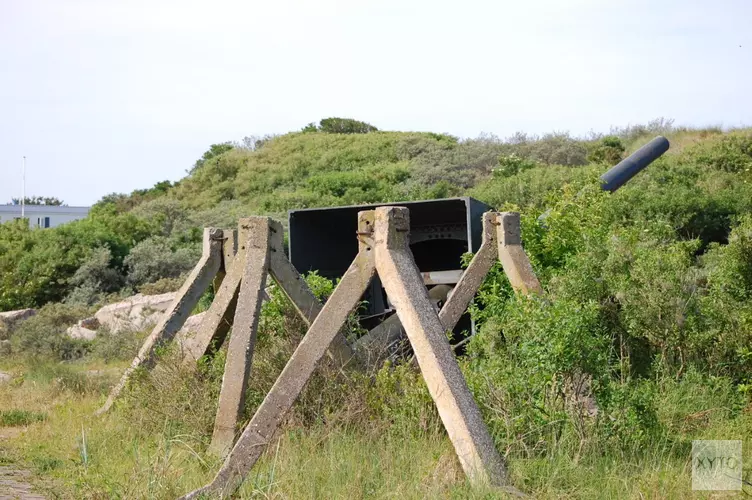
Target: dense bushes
44, 336
644, 287
156, 258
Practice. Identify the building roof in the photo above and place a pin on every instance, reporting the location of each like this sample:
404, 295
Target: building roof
44, 209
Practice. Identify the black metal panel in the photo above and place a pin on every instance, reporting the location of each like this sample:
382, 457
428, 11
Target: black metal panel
323, 239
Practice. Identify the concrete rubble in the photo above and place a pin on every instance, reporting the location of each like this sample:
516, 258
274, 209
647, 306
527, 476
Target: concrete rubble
80, 332
12, 316
135, 313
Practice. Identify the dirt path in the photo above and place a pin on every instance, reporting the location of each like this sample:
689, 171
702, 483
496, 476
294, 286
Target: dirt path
14, 483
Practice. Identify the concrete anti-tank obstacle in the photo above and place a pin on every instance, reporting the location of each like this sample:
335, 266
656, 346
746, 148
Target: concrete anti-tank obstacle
500, 241
243, 338
298, 370
173, 318
218, 318
388, 250
222, 264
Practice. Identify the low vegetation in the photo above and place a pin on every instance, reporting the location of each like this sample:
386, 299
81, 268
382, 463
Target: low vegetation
641, 343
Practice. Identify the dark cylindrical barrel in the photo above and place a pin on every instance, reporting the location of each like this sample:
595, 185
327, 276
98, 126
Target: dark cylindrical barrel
621, 173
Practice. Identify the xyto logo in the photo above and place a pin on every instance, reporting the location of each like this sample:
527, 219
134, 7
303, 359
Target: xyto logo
716, 465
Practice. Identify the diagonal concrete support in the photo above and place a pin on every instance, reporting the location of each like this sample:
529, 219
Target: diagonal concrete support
298, 370
296, 289
473, 276
187, 297
513, 258
243, 337
218, 319
461, 417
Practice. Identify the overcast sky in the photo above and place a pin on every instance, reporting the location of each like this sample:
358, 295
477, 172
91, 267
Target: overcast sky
109, 96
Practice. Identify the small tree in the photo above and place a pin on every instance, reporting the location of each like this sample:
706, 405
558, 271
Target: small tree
340, 126
608, 150
39, 200
214, 150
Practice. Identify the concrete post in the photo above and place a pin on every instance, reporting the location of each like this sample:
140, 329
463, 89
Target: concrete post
457, 409
218, 318
243, 337
298, 370
229, 248
513, 258
174, 317
300, 295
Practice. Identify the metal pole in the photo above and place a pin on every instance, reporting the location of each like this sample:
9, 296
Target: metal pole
23, 192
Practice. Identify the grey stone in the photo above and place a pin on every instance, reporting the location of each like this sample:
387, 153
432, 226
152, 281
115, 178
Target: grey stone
218, 319
79, 332
5, 377
473, 276
134, 313
14, 316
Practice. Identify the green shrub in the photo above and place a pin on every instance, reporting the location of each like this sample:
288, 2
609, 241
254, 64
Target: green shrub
513, 165
729, 153
156, 258
609, 150
44, 335
122, 346
94, 278
340, 126
163, 285
17, 418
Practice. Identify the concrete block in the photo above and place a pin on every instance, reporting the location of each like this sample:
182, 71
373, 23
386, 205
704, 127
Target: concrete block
513, 258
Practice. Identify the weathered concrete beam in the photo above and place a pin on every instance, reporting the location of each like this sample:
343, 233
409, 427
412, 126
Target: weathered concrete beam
513, 258
461, 417
229, 248
473, 276
243, 337
218, 319
297, 291
173, 318
298, 370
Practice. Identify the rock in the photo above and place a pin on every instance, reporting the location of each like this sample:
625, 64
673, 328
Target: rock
5, 377
5, 347
189, 329
79, 332
14, 316
192, 323
135, 313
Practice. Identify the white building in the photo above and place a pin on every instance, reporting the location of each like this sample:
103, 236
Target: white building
43, 215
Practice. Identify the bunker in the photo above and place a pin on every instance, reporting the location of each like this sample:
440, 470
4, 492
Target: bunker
441, 231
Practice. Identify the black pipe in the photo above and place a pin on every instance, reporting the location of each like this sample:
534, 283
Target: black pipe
621, 173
